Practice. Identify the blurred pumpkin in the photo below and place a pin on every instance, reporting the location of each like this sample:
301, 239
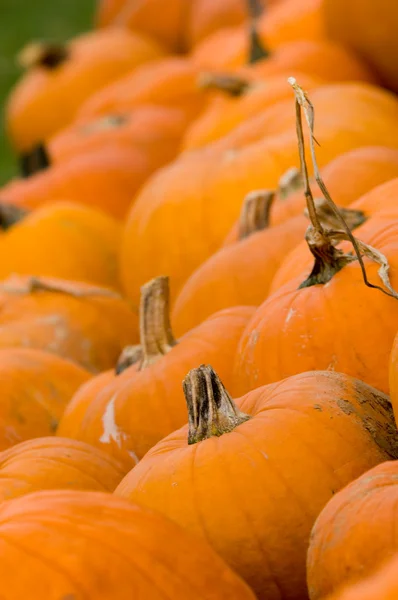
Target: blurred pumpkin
59, 78
229, 475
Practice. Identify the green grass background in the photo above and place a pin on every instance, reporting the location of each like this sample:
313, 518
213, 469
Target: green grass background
20, 22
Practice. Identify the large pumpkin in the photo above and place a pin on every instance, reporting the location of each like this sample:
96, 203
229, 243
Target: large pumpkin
354, 534
144, 403
251, 478
63, 240
370, 29
36, 387
53, 463
193, 202
60, 78
75, 544
86, 324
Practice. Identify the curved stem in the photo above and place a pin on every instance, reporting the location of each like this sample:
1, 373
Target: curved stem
129, 356
156, 336
290, 182
42, 54
34, 161
354, 218
255, 214
211, 410
232, 85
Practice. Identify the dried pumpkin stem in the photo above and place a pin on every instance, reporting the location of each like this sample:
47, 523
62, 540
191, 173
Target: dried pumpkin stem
257, 51
129, 356
156, 336
354, 218
43, 54
290, 182
317, 236
34, 161
36, 284
232, 85
10, 215
255, 214
211, 410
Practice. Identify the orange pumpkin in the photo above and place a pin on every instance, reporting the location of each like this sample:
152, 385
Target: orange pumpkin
239, 273
71, 544
60, 78
369, 28
106, 179
383, 585
145, 403
86, 324
354, 534
36, 386
229, 476
171, 82
193, 202
63, 240
51, 463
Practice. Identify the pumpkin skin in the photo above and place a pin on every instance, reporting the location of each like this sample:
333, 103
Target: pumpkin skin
393, 376
321, 327
370, 29
93, 60
250, 472
155, 129
171, 82
354, 534
193, 202
51, 463
36, 386
104, 547
106, 179
238, 274
63, 240
383, 585
138, 408
85, 324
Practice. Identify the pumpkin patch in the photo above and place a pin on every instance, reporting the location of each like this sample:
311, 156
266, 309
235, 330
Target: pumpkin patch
199, 305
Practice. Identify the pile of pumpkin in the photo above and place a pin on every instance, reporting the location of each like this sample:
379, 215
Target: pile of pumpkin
199, 307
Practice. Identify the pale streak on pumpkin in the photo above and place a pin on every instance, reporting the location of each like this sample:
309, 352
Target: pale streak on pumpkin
111, 430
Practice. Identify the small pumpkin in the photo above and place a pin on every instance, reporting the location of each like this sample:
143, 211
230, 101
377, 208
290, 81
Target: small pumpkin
145, 402
50, 463
240, 474
36, 386
83, 323
369, 29
59, 78
193, 202
63, 240
69, 543
354, 534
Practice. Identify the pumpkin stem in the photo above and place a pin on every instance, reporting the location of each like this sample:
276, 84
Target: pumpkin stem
255, 214
328, 259
211, 410
130, 355
29, 285
42, 54
156, 336
231, 85
290, 182
10, 214
257, 51
354, 218
34, 161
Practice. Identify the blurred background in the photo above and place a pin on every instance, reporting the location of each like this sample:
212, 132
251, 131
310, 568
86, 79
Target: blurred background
20, 22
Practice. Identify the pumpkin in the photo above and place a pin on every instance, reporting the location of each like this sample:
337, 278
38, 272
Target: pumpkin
36, 386
393, 376
354, 533
239, 273
155, 129
51, 463
63, 240
383, 585
106, 179
240, 474
86, 324
314, 321
60, 78
369, 29
193, 202
171, 82
71, 544
145, 403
